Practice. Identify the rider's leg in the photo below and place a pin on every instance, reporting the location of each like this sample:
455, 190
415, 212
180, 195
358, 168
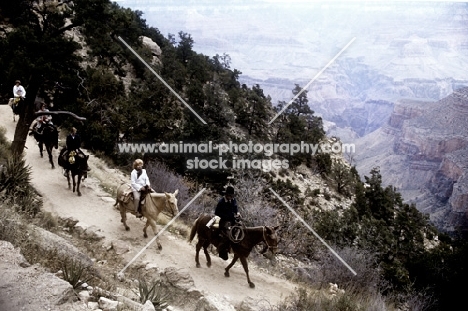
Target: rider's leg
224, 245
64, 155
136, 202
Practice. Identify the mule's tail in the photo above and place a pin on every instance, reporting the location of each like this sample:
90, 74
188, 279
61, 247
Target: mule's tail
193, 232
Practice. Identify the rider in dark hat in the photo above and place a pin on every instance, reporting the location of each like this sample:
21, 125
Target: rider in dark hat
227, 211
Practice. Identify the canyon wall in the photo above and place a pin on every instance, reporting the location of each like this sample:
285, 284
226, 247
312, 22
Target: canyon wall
428, 145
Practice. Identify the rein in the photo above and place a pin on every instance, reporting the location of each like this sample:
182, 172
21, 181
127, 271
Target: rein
272, 248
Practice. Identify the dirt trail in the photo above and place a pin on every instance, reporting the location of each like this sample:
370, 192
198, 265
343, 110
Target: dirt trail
95, 208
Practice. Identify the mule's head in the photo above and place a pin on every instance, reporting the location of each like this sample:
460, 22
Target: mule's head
271, 238
171, 202
82, 164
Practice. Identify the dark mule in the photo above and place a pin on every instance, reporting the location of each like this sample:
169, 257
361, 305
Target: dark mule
241, 250
48, 137
75, 163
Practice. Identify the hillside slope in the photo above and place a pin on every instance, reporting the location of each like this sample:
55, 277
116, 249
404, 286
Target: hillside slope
95, 208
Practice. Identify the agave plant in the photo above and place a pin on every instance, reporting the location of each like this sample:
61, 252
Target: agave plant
15, 176
153, 292
75, 273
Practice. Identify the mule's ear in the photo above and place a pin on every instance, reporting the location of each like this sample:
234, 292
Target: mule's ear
276, 228
175, 192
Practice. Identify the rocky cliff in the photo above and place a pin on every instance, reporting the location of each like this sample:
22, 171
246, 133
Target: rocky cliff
423, 151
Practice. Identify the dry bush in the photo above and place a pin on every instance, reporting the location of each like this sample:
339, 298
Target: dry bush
368, 275
164, 180
11, 227
296, 240
364, 291
4, 146
254, 209
318, 301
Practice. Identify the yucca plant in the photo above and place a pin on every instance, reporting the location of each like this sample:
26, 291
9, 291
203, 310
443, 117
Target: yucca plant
15, 186
15, 176
75, 273
152, 292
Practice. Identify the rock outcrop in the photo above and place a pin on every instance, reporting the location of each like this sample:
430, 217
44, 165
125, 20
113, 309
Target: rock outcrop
423, 151
30, 287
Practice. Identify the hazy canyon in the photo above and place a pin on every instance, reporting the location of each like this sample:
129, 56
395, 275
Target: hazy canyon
396, 91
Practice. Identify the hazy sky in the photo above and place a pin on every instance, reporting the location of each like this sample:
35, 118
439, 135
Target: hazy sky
296, 39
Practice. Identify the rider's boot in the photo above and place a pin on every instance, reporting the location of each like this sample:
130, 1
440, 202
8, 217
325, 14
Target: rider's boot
223, 250
138, 211
223, 247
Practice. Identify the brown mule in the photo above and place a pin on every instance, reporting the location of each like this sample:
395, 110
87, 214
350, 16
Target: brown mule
242, 249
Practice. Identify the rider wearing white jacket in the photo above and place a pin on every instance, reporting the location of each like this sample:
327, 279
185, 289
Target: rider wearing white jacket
139, 182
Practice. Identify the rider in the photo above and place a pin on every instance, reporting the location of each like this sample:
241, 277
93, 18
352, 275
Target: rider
18, 93
41, 120
139, 182
227, 211
18, 90
73, 144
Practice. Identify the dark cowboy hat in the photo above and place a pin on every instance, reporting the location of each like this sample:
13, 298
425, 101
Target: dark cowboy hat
18, 81
229, 190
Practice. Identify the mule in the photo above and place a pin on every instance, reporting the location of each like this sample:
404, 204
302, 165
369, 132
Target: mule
75, 163
16, 105
241, 249
48, 137
153, 204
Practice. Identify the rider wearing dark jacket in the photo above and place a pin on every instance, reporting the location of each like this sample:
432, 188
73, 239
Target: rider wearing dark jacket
227, 210
73, 144
73, 140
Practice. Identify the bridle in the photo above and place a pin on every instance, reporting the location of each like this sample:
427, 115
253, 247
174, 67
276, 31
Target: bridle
272, 248
169, 208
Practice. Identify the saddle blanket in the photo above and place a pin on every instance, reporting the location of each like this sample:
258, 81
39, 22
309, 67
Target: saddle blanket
214, 222
126, 197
